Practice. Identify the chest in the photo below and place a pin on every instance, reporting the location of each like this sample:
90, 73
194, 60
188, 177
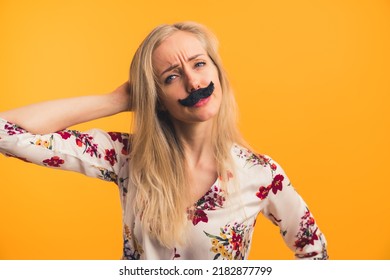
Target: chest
201, 180
218, 228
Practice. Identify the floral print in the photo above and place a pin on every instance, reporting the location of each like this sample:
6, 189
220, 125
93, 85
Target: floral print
307, 232
232, 243
12, 129
253, 159
213, 199
277, 180
220, 224
110, 156
116, 136
65, 134
53, 161
108, 175
176, 255
275, 186
131, 242
48, 144
83, 140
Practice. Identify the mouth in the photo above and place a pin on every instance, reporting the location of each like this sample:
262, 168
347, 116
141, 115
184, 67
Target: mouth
198, 97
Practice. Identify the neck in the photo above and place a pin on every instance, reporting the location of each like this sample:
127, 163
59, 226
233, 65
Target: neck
197, 141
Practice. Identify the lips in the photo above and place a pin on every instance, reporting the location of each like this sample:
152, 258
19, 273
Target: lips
202, 102
197, 95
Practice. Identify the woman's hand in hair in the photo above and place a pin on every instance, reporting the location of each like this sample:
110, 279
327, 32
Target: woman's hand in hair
121, 97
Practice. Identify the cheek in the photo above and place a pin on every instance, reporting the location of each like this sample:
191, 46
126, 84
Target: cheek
168, 102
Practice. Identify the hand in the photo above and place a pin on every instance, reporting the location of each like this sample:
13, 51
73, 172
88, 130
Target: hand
122, 96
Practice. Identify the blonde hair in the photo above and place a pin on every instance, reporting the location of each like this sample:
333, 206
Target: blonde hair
157, 161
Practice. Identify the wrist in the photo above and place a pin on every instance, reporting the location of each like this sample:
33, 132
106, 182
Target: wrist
120, 101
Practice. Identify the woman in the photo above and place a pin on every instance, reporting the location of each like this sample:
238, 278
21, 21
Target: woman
190, 187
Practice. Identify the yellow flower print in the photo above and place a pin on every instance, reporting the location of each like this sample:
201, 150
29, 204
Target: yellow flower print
232, 243
48, 144
224, 253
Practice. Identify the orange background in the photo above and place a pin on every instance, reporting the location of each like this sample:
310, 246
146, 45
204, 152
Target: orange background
312, 83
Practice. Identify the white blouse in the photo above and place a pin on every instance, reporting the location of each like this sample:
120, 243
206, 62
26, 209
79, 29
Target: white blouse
220, 224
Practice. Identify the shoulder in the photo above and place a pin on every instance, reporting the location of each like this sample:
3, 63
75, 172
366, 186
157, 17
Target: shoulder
256, 166
248, 158
261, 176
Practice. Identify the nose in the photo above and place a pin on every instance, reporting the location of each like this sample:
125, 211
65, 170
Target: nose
192, 82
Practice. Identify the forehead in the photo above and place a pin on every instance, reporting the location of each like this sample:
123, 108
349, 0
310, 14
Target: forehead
177, 47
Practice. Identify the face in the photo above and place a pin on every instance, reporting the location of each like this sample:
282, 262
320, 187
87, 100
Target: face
182, 65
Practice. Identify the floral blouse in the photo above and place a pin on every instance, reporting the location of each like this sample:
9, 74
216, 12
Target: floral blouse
220, 224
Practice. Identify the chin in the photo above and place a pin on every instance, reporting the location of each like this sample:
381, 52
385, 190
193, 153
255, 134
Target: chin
206, 116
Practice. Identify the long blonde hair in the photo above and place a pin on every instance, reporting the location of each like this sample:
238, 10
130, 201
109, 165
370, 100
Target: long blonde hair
157, 161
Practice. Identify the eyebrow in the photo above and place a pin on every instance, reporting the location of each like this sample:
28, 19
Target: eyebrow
177, 65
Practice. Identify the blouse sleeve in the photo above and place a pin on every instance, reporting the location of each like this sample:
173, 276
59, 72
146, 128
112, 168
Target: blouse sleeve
94, 153
285, 208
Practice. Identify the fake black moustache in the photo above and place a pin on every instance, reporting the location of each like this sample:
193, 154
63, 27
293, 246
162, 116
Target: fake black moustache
197, 95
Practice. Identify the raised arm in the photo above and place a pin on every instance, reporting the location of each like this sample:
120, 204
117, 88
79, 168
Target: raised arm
71, 111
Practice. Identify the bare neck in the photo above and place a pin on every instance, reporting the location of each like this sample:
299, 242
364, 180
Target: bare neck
197, 142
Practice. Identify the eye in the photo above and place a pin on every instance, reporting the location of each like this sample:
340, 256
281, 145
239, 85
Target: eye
170, 78
200, 64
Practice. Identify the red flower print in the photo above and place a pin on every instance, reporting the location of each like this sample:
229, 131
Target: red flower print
306, 215
82, 139
275, 186
79, 142
110, 156
125, 149
54, 161
199, 216
277, 183
307, 255
176, 254
64, 134
236, 240
311, 221
212, 200
93, 150
232, 243
13, 129
260, 159
306, 240
115, 136
308, 231
273, 166
263, 192
314, 237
